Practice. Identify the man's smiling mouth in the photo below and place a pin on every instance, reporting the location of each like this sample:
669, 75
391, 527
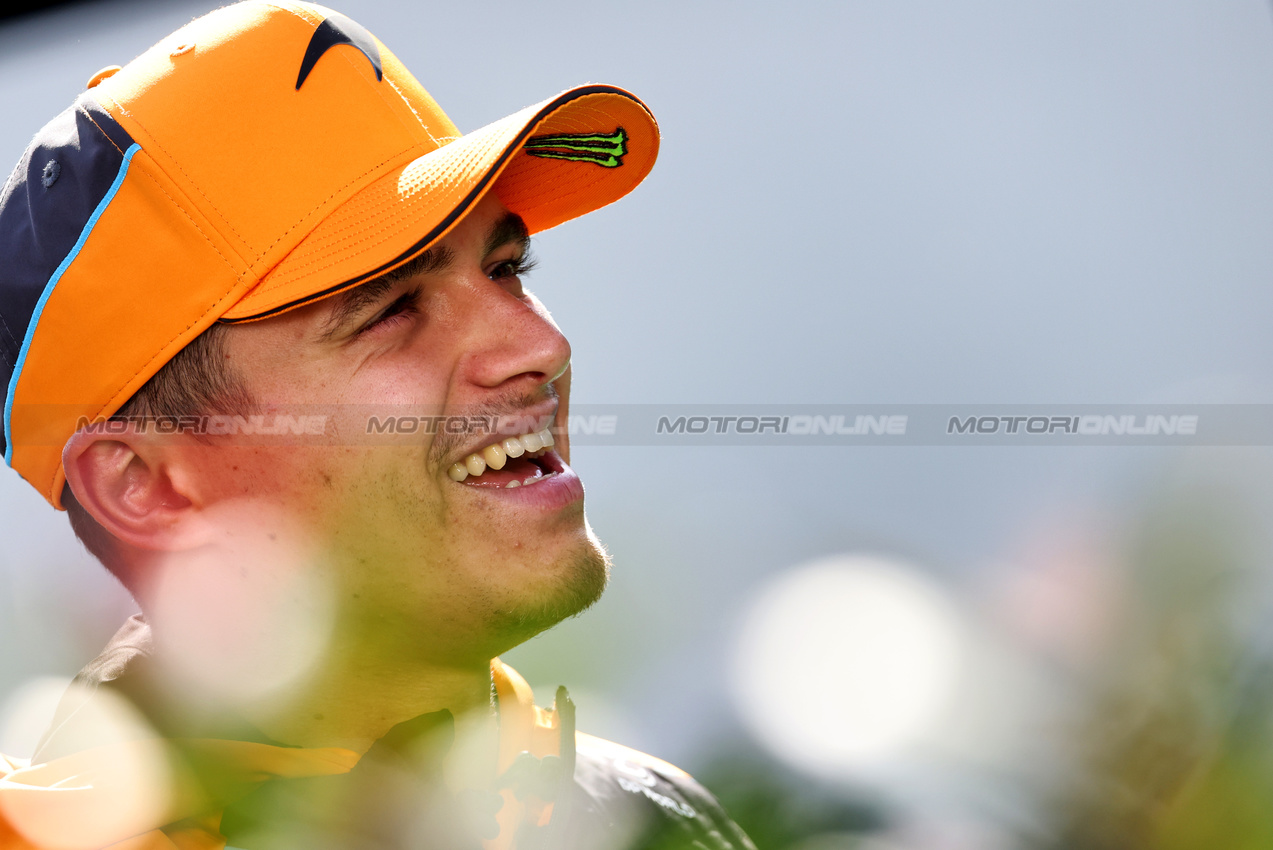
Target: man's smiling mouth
511, 462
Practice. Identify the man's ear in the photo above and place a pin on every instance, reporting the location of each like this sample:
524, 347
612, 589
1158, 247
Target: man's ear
126, 483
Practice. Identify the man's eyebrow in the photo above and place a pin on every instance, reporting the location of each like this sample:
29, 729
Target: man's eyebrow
508, 229
348, 304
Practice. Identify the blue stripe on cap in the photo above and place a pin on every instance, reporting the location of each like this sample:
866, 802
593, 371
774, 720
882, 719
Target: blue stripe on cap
45, 205
48, 290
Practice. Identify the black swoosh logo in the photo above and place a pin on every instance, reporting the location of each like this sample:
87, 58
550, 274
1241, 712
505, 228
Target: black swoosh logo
337, 29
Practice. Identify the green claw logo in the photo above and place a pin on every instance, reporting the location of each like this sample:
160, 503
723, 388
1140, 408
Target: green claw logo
606, 151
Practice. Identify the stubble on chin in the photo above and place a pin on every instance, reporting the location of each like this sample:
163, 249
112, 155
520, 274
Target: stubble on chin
579, 585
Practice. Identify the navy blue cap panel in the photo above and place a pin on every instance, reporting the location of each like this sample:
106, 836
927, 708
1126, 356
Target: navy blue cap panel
62, 177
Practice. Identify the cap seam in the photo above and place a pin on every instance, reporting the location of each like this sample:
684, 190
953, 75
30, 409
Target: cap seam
337, 246
151, 137
407, 103
322, 262
326, 200
111, 402
192, 221
301, 13
292, 305
93, 121
13, 339
355, 67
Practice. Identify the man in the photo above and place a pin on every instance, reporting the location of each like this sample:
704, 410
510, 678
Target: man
265, 339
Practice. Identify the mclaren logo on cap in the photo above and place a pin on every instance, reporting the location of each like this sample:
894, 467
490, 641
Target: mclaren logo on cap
335, 30
604, 150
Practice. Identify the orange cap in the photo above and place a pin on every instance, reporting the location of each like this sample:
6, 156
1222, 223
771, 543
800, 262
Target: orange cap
263, 156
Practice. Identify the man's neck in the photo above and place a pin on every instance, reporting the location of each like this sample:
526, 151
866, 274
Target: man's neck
273, 647
354, 705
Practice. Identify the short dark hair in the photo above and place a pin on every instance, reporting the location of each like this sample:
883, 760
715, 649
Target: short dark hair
198, 380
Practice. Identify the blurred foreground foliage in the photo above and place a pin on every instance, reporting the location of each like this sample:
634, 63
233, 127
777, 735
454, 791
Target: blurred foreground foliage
1170, 743
1176, 752
780, 808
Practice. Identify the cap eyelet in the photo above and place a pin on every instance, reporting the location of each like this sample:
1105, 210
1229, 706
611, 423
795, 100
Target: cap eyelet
183, 48
52, 170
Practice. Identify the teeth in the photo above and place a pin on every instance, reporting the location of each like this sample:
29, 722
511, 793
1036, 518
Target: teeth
496, 456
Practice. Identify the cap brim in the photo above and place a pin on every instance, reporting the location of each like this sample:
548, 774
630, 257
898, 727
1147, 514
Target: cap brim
564, 174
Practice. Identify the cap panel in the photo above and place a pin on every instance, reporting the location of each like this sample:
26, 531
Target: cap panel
45, 206
265, 164
147, 279
436, 123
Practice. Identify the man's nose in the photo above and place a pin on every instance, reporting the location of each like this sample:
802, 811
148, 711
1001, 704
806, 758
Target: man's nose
513, 342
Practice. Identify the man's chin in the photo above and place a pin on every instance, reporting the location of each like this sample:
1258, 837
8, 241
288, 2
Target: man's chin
579, 585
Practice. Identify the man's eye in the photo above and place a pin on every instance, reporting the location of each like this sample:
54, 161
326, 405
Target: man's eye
402, 307
513, 268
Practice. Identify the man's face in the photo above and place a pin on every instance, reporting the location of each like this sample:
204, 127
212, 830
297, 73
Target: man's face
456, 570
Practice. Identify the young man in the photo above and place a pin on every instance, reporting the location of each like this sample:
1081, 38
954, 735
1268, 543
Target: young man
225, 268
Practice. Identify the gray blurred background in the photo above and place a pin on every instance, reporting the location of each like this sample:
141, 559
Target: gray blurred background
866, 202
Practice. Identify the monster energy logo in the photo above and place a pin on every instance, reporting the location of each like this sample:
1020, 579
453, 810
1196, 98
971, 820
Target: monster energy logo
606, 151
